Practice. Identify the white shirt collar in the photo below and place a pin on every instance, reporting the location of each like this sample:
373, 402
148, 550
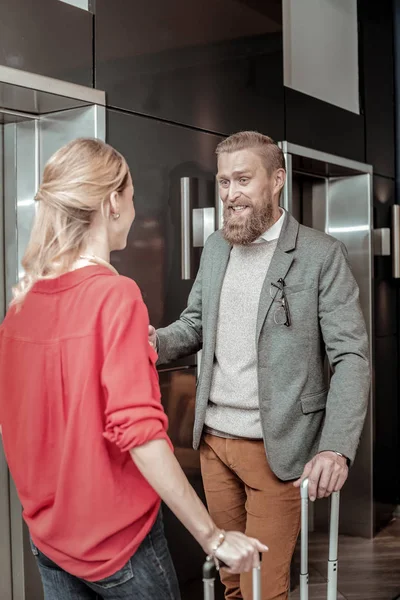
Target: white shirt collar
273, 232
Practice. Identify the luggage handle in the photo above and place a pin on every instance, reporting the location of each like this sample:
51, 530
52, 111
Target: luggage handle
210, 572
333, 544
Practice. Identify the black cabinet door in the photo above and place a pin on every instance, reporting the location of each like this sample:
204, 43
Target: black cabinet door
322, 126
178, 389
47, 37
159, 155
216, 64
379, 94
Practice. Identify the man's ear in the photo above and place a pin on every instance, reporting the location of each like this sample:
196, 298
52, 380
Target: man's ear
279, 180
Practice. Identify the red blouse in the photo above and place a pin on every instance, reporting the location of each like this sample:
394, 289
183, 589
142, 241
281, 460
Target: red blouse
78, 389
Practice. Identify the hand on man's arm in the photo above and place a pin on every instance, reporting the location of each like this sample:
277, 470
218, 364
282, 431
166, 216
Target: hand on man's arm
152, 337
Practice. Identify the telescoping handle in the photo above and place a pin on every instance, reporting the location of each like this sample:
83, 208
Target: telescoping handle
210, 572
333, 545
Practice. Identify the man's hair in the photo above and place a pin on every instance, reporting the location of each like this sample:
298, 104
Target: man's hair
265, 146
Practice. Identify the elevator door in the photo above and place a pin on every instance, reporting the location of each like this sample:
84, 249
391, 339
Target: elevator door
34, 123
5, 533
333, 195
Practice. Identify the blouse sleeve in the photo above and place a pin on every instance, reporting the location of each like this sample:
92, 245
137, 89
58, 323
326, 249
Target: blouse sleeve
133, 414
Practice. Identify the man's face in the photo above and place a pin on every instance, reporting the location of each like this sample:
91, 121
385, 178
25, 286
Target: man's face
247, 194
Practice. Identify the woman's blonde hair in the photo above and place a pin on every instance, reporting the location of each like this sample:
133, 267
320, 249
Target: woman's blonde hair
77, 180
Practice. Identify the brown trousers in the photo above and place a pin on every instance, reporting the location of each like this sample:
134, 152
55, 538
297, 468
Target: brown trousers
243, 494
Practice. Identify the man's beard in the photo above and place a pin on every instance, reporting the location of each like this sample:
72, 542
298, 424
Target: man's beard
245, 231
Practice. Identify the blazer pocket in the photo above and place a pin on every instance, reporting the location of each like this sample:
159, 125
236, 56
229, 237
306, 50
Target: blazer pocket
313, 402
300, 287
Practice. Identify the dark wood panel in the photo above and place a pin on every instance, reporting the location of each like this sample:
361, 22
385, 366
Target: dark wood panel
159, 154
386, 424
386, 407
384, 195
376, 21
386, 288
217, 66
47, 37
321, 126
178, 392
385, 299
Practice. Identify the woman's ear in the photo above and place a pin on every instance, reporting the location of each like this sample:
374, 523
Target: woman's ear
113, 205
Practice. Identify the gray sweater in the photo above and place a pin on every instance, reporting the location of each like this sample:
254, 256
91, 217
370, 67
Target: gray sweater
233, 409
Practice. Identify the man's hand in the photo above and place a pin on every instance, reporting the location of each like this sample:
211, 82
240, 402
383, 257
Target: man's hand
326, 472
152, 337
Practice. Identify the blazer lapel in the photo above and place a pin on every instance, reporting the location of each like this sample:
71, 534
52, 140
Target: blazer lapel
279, 267
217, 278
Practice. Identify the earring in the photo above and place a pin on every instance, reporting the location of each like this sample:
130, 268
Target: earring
115, 216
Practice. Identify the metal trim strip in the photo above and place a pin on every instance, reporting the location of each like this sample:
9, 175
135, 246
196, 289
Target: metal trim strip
56, 87
289, 148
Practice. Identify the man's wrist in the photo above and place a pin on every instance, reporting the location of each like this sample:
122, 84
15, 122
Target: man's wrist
339, 454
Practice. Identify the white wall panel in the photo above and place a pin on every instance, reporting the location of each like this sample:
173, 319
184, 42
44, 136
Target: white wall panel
321, 50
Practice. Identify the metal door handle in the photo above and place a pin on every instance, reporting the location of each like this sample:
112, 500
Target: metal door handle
219, 208
185, 229
203, 225
381, 238
396, 240
196, 224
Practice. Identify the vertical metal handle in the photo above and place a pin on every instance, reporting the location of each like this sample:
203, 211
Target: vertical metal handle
396, 240
209, 573
286, 200
333, 547
333, 544
219, 208
304, 542
185, 228
198, 364
203, 221
203, 225
257, 581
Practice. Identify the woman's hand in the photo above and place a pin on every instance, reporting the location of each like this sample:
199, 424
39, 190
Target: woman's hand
239, 553
152, 336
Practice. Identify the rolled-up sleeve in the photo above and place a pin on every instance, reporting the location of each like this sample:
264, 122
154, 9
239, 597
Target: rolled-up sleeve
133, 413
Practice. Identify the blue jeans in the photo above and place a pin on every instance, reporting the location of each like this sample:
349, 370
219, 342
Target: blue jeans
148, 575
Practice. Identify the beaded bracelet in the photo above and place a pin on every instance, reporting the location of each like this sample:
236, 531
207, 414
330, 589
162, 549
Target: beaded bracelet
218, 544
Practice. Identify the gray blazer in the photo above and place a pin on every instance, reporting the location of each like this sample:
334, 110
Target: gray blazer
299, 415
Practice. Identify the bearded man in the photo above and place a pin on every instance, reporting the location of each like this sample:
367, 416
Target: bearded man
270, 299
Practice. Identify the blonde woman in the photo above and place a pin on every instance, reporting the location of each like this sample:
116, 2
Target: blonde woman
83, 428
